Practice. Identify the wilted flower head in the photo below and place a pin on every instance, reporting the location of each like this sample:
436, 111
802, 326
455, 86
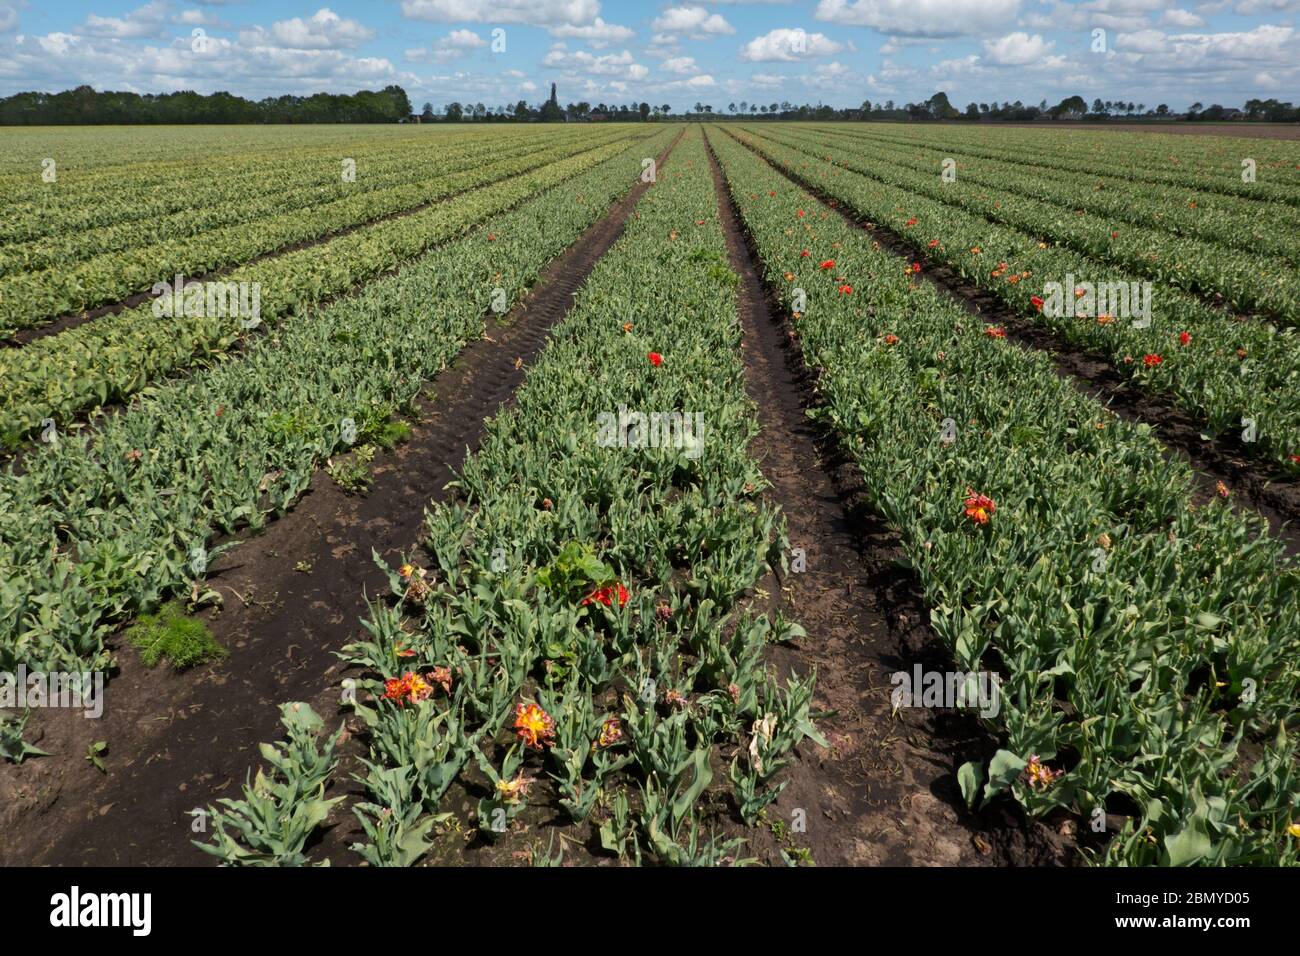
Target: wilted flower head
512, 791
1039, 775
611, 732
442, 677
535, 727
416, 588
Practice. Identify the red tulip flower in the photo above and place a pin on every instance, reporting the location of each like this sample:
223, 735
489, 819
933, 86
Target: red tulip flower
979, 508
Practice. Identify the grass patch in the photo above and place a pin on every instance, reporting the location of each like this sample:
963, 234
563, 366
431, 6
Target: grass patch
391, 433
184, 641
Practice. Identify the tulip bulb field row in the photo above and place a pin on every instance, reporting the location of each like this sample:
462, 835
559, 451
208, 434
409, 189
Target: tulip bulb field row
458, 504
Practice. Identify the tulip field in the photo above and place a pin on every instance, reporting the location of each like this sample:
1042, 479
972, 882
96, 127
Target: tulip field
472, 519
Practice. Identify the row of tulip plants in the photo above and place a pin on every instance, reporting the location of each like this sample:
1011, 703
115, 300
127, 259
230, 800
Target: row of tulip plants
1233, 375
79, 193
1263, 230
30, 299
1244, 281
116, 356
1203, 164
99, 526
1146, 645
247, 197
575, 637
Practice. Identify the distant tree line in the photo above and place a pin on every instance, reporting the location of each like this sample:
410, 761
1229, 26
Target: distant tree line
549, 112
84, 105
936, 107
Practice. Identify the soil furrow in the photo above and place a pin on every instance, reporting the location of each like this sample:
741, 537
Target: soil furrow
293, 597
1252, 482
886, 792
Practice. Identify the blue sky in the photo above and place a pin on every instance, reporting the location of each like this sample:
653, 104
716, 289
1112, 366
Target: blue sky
833, 51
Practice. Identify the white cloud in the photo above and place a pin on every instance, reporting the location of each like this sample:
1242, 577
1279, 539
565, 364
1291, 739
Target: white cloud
607, 64
784, 45
9, 15
195, 17
453, 46
927, 18
536, 12
1016, 49
59, 61
146, 21
323, 30
680, 64
694, 22
598, 33
1181, 18
1250, 8
1142, 41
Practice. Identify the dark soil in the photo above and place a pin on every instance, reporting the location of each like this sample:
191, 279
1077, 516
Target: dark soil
886, 792
1252, 482
177, 742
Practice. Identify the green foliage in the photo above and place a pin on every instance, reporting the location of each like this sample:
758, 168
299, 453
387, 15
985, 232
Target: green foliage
351, 472
173, 635
12, 746
281, 809
574, 571
95, 755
